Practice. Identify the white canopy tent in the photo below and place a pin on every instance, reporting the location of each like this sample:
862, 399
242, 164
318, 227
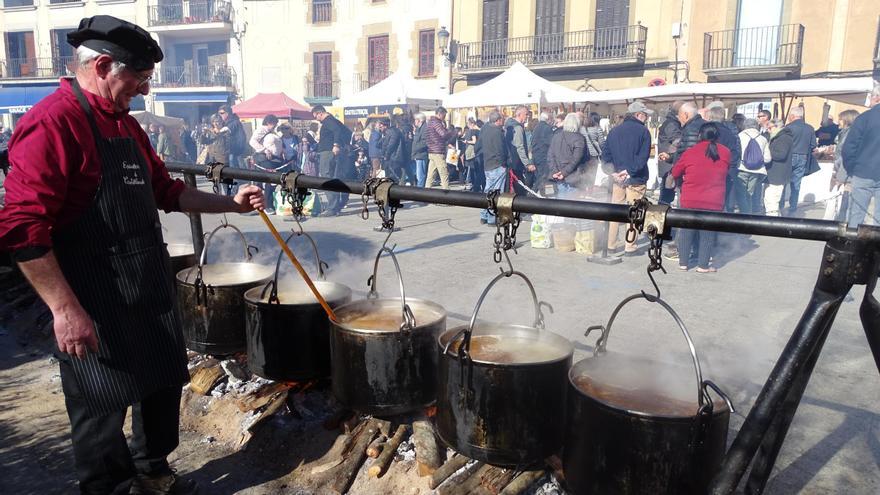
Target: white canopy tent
396, 89
852, 90
516, 85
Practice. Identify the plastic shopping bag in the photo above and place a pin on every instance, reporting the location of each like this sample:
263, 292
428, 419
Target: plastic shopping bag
539, 234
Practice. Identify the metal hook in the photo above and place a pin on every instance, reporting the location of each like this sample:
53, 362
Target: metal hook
225, 221
299, 226
649, 297
509, 271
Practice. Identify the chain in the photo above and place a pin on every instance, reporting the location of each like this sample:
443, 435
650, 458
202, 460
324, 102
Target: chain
636, 219
369, 189
386, 206
505, 231
655, 249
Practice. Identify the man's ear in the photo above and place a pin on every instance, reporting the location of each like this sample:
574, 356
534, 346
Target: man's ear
103, 66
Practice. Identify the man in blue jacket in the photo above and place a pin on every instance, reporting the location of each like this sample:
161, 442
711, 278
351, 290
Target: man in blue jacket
626, 149
802, 160
861, 159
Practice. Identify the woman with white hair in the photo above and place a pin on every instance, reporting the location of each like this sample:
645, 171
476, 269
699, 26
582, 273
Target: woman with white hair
565, 156
748, 184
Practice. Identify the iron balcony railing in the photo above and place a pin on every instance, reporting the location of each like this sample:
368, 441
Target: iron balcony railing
361, 82
750, 48
603, 45
322, 11
198, 76
321, 88
28, 68
190, 12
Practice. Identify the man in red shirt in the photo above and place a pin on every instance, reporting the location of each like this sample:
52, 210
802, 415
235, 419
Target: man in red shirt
81, 220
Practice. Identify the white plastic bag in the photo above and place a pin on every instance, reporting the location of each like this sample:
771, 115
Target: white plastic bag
540, 235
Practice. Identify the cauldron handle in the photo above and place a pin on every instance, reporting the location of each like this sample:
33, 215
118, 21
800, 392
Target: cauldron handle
702, 385
204, 254
464, 348
273, 295
408, 319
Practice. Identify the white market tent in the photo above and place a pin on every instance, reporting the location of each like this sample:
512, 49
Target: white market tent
852, 90
517, 85
396, 89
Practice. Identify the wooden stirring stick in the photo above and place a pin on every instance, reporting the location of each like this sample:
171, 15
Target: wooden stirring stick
298, 267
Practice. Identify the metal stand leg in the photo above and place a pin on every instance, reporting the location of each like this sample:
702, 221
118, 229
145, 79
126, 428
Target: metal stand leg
870, 313
784, 387
195, 220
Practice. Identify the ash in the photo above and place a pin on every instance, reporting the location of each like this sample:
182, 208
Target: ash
547, 485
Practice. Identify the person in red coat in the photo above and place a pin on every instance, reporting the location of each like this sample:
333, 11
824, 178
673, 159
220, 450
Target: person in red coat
702, 171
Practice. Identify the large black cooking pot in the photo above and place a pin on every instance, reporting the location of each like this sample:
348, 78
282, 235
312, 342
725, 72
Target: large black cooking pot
382, 351
501, 392
626, 438
211, 298
288, 332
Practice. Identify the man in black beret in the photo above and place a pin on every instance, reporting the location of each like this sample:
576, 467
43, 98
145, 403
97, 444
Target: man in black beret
81, 221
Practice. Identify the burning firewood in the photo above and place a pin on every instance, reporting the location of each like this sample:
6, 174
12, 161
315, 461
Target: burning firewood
494, 480
428, 453
445, 471
204, 379
347, 471
259, 398
380, 465
469, 485
522, 482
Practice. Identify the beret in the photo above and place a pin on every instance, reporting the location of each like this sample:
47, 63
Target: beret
124, 41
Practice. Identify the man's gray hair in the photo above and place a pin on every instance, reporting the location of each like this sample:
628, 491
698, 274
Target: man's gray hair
875, 93
85, 55
751, 124
572, 123
520, 109
544, 117
494, 115
716, 114
419, 116
797, 112
689, 108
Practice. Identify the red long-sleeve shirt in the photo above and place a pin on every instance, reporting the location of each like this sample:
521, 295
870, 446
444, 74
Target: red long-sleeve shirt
704, 181
56, 170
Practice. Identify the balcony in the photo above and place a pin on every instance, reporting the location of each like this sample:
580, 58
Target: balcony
322, 11
320, 90
37, 68
601, 48
207, 76
194, 14
771, 52
361, 82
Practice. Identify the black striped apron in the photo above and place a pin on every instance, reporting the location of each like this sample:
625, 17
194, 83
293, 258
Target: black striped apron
115, 261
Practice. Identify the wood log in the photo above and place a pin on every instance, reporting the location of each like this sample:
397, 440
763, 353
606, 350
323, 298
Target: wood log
259, 398
205, 379
470, 485
445, 471
429, 455
348, 470
522, 482
380, 465
494, 480
384, 427
375, 447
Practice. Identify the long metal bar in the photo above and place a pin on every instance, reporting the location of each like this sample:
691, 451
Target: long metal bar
834, 282
195, 220
793, 228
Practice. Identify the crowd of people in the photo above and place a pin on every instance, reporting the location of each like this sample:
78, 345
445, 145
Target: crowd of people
763, 160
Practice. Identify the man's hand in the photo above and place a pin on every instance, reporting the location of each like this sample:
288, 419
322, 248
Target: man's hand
531, 167
558, 176
249, 198
75, 331
664, 156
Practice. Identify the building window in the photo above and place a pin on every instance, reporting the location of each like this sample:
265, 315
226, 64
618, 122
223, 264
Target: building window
426, 52
378, 59
322, 10
18, 3
322, 87
53, 2
20, 55
63, 59
494, 50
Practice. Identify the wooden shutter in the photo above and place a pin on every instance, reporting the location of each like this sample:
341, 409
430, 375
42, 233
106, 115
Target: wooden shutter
612, 17
378, 59
426, 52
323, 71
549, 30
494, 47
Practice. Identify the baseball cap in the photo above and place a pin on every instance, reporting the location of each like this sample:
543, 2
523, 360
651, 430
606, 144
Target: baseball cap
637, 106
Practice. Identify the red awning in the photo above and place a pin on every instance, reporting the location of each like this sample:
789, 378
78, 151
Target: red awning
278, 104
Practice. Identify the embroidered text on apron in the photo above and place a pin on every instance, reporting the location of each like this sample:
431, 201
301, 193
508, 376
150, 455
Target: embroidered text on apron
115, 261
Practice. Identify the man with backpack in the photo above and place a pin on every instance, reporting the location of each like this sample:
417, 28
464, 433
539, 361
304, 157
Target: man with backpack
749, 181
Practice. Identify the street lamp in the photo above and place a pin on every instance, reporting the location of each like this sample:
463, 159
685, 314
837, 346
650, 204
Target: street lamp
443, 40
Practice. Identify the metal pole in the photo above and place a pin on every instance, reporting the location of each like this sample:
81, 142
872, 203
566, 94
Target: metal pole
869, 312
793, 228
195, 219
833, 285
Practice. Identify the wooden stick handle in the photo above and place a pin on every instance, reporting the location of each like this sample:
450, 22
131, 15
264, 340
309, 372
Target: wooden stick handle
298, 267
